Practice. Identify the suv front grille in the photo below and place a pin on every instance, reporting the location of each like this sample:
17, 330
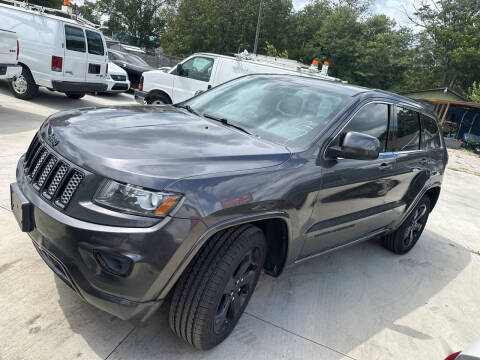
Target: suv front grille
54, 179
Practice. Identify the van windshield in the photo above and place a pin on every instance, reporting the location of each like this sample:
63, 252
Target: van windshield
290, 110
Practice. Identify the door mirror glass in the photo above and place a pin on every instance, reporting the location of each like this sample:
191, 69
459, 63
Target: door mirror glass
356, 146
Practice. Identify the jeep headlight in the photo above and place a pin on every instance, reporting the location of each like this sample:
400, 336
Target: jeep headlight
135, 200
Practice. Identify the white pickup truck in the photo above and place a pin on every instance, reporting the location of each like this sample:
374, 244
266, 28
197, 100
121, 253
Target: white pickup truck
9, 49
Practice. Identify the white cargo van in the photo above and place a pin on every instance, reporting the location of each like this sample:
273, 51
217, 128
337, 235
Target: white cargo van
201, 71
9, 49
56, 52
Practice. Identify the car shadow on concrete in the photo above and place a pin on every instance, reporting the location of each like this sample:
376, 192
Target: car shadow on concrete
339, 301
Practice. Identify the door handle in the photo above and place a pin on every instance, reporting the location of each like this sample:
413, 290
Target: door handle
385, 166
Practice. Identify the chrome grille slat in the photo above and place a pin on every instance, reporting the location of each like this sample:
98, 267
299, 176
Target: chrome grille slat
71, 187
57, 179
46, 171
38, 161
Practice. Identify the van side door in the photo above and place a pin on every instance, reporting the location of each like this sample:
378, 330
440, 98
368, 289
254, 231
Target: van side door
352, 201
75, 58
96, 57
195, 75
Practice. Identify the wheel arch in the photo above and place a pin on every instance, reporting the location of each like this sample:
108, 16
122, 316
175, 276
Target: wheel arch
154, 92
274, 224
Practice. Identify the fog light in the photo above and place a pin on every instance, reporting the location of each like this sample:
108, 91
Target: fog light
116, 264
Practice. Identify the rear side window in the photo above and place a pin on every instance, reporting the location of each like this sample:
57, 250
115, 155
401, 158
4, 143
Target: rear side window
430, 133
74, 38
408, 133
372, 119
95, 43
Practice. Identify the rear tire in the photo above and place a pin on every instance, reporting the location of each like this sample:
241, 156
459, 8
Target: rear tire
24, 86
406, 236
214, 290
75, 95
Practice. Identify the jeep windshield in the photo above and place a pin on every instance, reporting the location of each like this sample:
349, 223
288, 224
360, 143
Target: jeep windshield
289, 110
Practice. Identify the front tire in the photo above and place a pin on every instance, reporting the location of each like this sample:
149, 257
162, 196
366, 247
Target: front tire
24, 86
406, 236
214, 290
158, 99
75, 95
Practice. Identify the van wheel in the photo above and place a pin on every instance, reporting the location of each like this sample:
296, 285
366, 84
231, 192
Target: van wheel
158, 99
406, 236
214, 290
24, 86
75, 95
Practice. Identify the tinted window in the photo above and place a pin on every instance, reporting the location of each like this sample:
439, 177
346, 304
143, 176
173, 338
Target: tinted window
75, 40
95, 43
430, 133
198, 68
408, 133
372, 119
136, 60
284, 109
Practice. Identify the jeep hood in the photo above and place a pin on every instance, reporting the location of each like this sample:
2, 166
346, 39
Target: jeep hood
153, 146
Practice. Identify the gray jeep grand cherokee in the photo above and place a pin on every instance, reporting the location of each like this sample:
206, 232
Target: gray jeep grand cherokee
131, 205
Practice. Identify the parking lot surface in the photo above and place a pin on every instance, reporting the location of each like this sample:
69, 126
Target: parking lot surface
362, 302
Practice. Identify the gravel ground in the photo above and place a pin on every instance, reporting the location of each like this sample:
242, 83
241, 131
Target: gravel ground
463, 160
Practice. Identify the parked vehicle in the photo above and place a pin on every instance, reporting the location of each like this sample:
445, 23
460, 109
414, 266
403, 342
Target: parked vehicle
202, 71
56, 52
9, 48
129, 205
117, 79
134, 65
471, 353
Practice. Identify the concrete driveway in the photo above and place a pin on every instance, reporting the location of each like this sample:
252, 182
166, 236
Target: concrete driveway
359, 303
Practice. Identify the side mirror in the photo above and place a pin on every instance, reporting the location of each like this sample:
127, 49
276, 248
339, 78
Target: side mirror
356, 146
180, 69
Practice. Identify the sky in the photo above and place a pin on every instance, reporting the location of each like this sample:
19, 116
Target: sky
391, 8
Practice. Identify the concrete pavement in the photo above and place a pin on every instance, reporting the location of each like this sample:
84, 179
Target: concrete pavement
359, 303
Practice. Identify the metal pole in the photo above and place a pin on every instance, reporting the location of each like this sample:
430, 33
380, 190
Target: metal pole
258, 27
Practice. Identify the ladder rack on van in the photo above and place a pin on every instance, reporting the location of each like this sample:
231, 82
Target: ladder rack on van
65, 11
288, 64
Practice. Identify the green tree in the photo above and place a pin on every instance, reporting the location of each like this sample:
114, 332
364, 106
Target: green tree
449, 42
135, 19
225, 26
474, 92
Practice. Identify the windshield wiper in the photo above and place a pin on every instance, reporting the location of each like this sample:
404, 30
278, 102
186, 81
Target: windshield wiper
188, 108
225, 122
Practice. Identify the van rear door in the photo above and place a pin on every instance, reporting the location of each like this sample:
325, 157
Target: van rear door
96, 56
75, 59
8, 47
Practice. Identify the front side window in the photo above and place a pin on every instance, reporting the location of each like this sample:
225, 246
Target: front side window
285, 109
372, 120
408, 132
198, 68
95, 43
75, 39
430, 133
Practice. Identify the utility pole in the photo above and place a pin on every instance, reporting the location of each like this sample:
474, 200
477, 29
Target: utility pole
258, 27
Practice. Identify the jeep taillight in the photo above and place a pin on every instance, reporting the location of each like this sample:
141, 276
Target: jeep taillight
57, 63
18, 49
106, 70
140, 84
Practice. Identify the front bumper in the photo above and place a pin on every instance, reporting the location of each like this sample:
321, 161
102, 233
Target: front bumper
70, 247
9, 71
78, 87
140, 96
117, 86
